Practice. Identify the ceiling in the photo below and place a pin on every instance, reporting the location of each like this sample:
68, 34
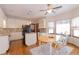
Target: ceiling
33, 10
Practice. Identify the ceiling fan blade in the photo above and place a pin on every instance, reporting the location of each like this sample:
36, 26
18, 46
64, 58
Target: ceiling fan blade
57, 7
43, 10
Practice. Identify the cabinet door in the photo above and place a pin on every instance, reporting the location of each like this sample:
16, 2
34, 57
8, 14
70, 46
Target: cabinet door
30, 38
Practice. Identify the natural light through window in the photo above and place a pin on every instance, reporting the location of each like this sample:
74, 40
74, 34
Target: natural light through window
62, 27
75, 26
76, 33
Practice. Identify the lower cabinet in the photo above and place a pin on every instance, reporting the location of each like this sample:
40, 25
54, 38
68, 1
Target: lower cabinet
30, 39
4, 44
16, 35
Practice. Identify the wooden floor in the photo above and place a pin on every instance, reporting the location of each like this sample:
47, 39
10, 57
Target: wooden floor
75, 49
17, 48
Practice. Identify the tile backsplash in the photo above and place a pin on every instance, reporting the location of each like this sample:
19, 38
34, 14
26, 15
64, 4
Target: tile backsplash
7, 31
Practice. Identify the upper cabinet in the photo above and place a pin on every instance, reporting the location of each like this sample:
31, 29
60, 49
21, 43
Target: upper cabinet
10, 22
3, 19
15, 23
43, 23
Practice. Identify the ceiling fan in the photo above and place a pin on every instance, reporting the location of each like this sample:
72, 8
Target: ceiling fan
51, 9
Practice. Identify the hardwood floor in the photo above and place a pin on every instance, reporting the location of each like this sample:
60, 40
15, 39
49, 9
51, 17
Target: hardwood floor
17, 48
75, 50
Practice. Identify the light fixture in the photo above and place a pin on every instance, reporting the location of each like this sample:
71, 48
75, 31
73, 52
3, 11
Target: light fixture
4, 23
49, 11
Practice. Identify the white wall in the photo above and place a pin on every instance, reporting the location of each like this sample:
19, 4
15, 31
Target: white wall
2, 19
16, 23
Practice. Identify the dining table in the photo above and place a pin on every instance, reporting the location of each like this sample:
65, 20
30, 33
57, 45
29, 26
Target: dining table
45, 39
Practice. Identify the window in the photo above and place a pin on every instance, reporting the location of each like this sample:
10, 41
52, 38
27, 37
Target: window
75, 26
50, 27
51, 30
76, 33
62, 27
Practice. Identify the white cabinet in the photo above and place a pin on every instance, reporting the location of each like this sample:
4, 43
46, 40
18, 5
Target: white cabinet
15, 35
3, 19
30, 38
15, 23
4, 44
43, 23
